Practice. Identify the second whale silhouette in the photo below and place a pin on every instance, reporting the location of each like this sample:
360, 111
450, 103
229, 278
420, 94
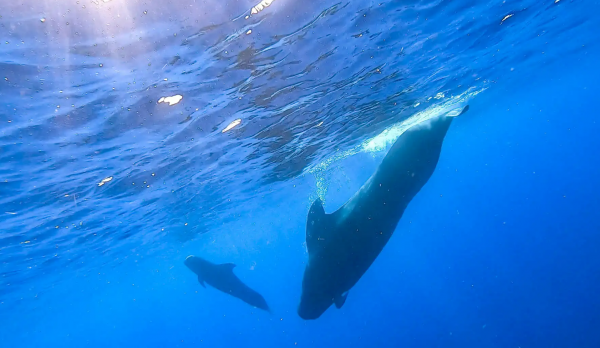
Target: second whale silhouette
221, 277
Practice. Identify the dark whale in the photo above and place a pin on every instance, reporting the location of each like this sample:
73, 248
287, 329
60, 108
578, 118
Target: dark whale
343, 245
221, 277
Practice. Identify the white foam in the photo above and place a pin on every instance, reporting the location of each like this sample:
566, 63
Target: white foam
451, 107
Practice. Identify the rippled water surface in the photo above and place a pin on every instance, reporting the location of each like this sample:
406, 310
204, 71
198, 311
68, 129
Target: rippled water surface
131, 127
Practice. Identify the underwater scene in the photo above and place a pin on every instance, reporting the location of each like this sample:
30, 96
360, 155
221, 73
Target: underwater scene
283, 173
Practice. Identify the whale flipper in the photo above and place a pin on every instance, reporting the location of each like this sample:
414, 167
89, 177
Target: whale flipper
201, 281
340, 300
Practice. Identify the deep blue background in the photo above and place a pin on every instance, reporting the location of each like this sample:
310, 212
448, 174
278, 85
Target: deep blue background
499, 249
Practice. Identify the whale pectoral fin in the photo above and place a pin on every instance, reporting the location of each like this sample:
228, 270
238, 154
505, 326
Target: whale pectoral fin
201, 281
340, 300
315, 226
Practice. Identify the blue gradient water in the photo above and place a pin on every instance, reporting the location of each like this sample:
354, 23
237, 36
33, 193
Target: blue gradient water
499, 249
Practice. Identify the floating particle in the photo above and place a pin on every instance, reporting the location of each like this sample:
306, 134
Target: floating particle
506, 17
232, 125
105, 180
26, 242
171, 100
42, 20
249, 32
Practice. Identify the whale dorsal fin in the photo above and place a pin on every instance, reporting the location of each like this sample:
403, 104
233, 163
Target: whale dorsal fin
316, 226
227, 267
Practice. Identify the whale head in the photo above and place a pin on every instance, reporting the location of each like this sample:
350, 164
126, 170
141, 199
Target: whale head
195, 264
312, 305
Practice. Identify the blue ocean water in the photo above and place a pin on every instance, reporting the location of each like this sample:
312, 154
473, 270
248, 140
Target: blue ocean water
105, 187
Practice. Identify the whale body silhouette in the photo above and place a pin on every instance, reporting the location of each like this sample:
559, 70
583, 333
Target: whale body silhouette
342, 246
221, 277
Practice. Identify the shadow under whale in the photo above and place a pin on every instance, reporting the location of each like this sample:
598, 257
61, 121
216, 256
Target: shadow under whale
221, 277
343, 245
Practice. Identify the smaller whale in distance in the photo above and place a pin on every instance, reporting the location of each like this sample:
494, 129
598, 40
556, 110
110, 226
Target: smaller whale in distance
221, 277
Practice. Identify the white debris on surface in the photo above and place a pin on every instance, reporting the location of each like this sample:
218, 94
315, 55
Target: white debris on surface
171, 100
261, 6
105, 180
232, 125
507, 17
